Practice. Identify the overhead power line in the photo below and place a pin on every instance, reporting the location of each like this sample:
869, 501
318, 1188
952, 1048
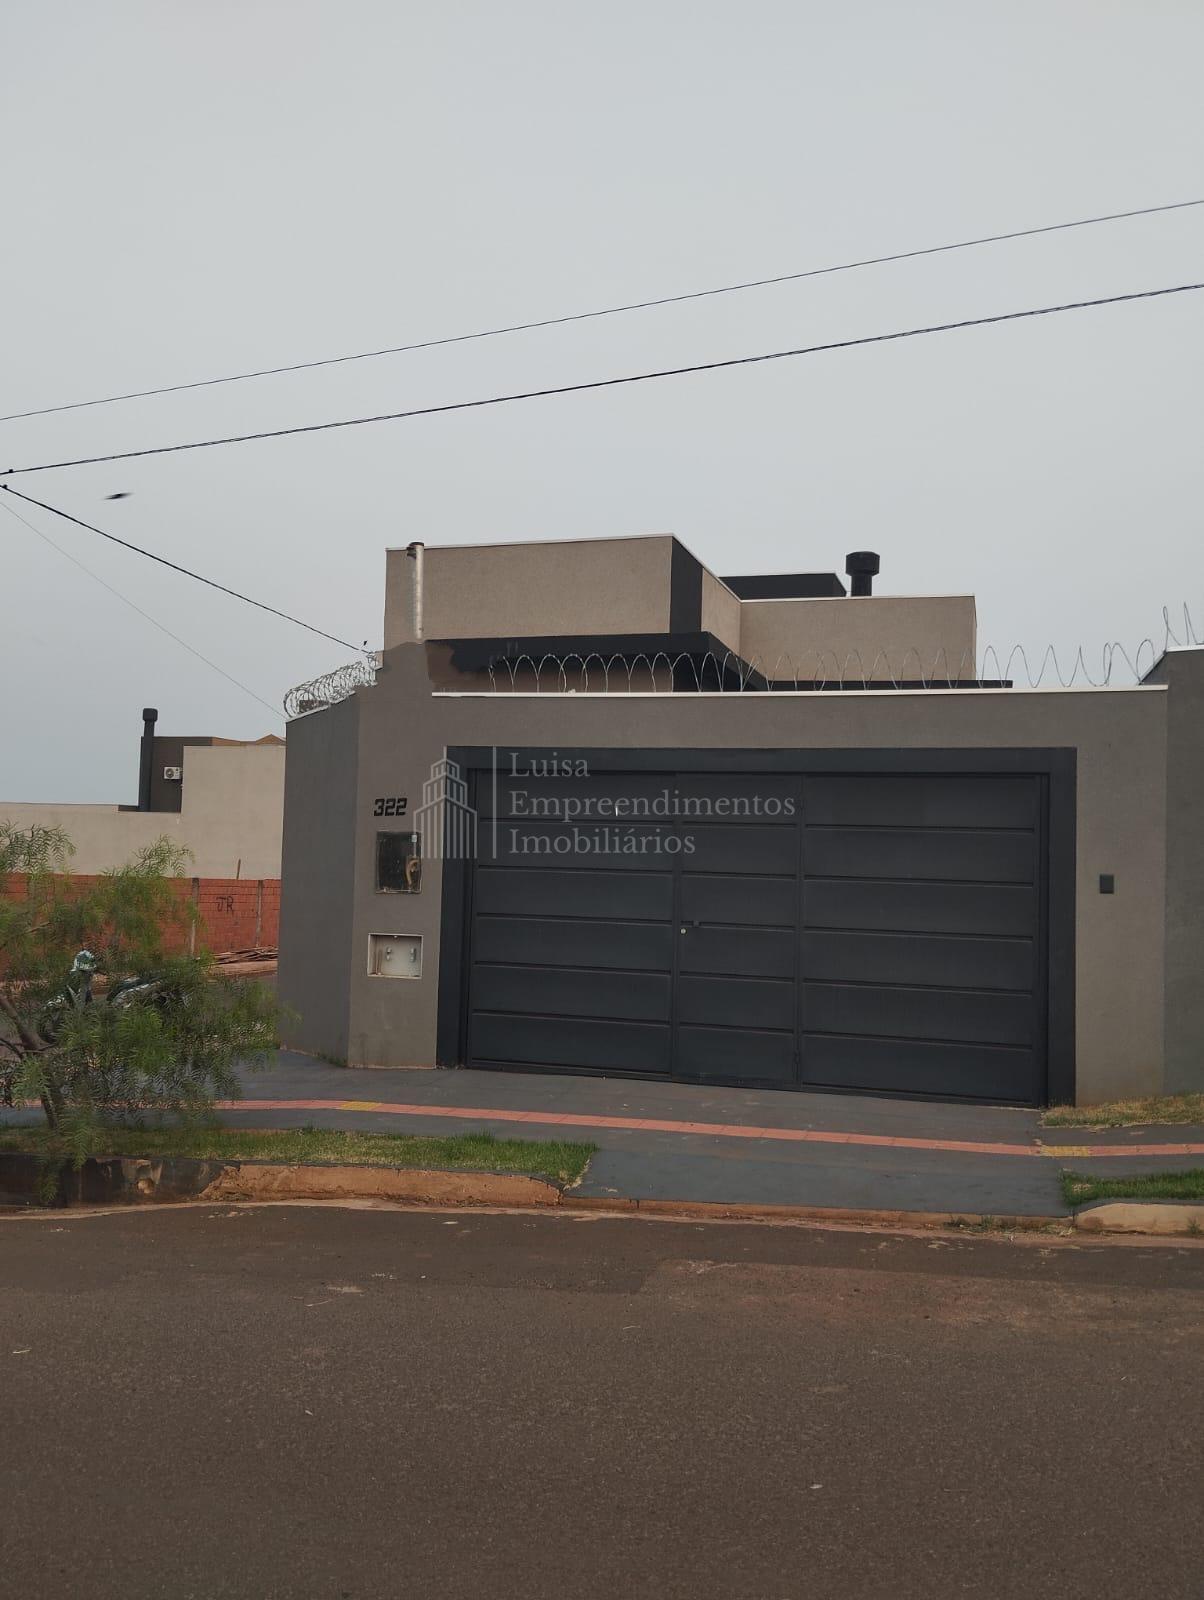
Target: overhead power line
606, 311
175, 567
596, 383
126, 601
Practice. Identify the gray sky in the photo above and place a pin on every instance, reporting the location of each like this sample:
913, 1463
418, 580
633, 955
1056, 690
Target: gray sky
193, 190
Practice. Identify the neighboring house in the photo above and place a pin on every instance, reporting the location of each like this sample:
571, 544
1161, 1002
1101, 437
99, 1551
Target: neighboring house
221, 799
695, 855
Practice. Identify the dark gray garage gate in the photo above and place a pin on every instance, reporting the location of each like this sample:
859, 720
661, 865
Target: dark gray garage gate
884, 930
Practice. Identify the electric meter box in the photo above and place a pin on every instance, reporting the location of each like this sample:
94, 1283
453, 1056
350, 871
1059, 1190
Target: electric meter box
395, 955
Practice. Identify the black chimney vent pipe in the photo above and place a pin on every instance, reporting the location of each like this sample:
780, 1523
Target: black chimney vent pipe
146, 757
862, 568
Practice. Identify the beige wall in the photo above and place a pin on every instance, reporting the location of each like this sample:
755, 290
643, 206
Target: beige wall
1119, 736
233, 808
720, 612
233, 803
880, 638
583, 588
598, 586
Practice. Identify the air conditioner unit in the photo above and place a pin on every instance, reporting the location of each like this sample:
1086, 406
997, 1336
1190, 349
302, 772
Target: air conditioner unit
173, 774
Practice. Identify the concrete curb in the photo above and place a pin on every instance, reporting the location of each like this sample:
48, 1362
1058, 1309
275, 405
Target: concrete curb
28, 1180
736, 1211
1140, 1216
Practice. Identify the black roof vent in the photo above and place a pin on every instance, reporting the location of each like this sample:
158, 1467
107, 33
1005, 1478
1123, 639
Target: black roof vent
862, 568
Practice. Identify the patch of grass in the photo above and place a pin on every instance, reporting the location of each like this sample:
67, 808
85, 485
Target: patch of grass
553, 1159
1077, 1189
1127, 1113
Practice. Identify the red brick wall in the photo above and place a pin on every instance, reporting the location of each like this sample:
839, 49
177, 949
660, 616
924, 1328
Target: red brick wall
236, 913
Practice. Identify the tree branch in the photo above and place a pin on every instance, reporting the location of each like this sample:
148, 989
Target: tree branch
25, 1033
38, 927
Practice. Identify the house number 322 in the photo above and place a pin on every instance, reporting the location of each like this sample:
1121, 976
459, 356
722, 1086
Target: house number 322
392, 806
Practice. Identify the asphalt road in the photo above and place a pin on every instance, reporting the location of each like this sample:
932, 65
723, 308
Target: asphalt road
295, 1401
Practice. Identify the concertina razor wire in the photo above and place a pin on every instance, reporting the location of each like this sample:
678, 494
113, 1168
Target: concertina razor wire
660, 672
331, 687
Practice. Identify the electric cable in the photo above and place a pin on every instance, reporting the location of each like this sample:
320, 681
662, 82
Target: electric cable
125, 600
175, 567
605, 311
597, 383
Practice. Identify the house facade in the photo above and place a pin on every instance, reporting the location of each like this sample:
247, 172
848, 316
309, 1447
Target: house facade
606, 811
221, 800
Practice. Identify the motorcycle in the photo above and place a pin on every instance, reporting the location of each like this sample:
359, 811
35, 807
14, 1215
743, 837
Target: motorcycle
77, 992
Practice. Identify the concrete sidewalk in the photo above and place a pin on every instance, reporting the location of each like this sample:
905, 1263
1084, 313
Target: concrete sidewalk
762, 1157
670, 1141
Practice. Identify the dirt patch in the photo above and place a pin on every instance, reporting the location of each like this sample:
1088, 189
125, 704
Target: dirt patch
270, 1181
